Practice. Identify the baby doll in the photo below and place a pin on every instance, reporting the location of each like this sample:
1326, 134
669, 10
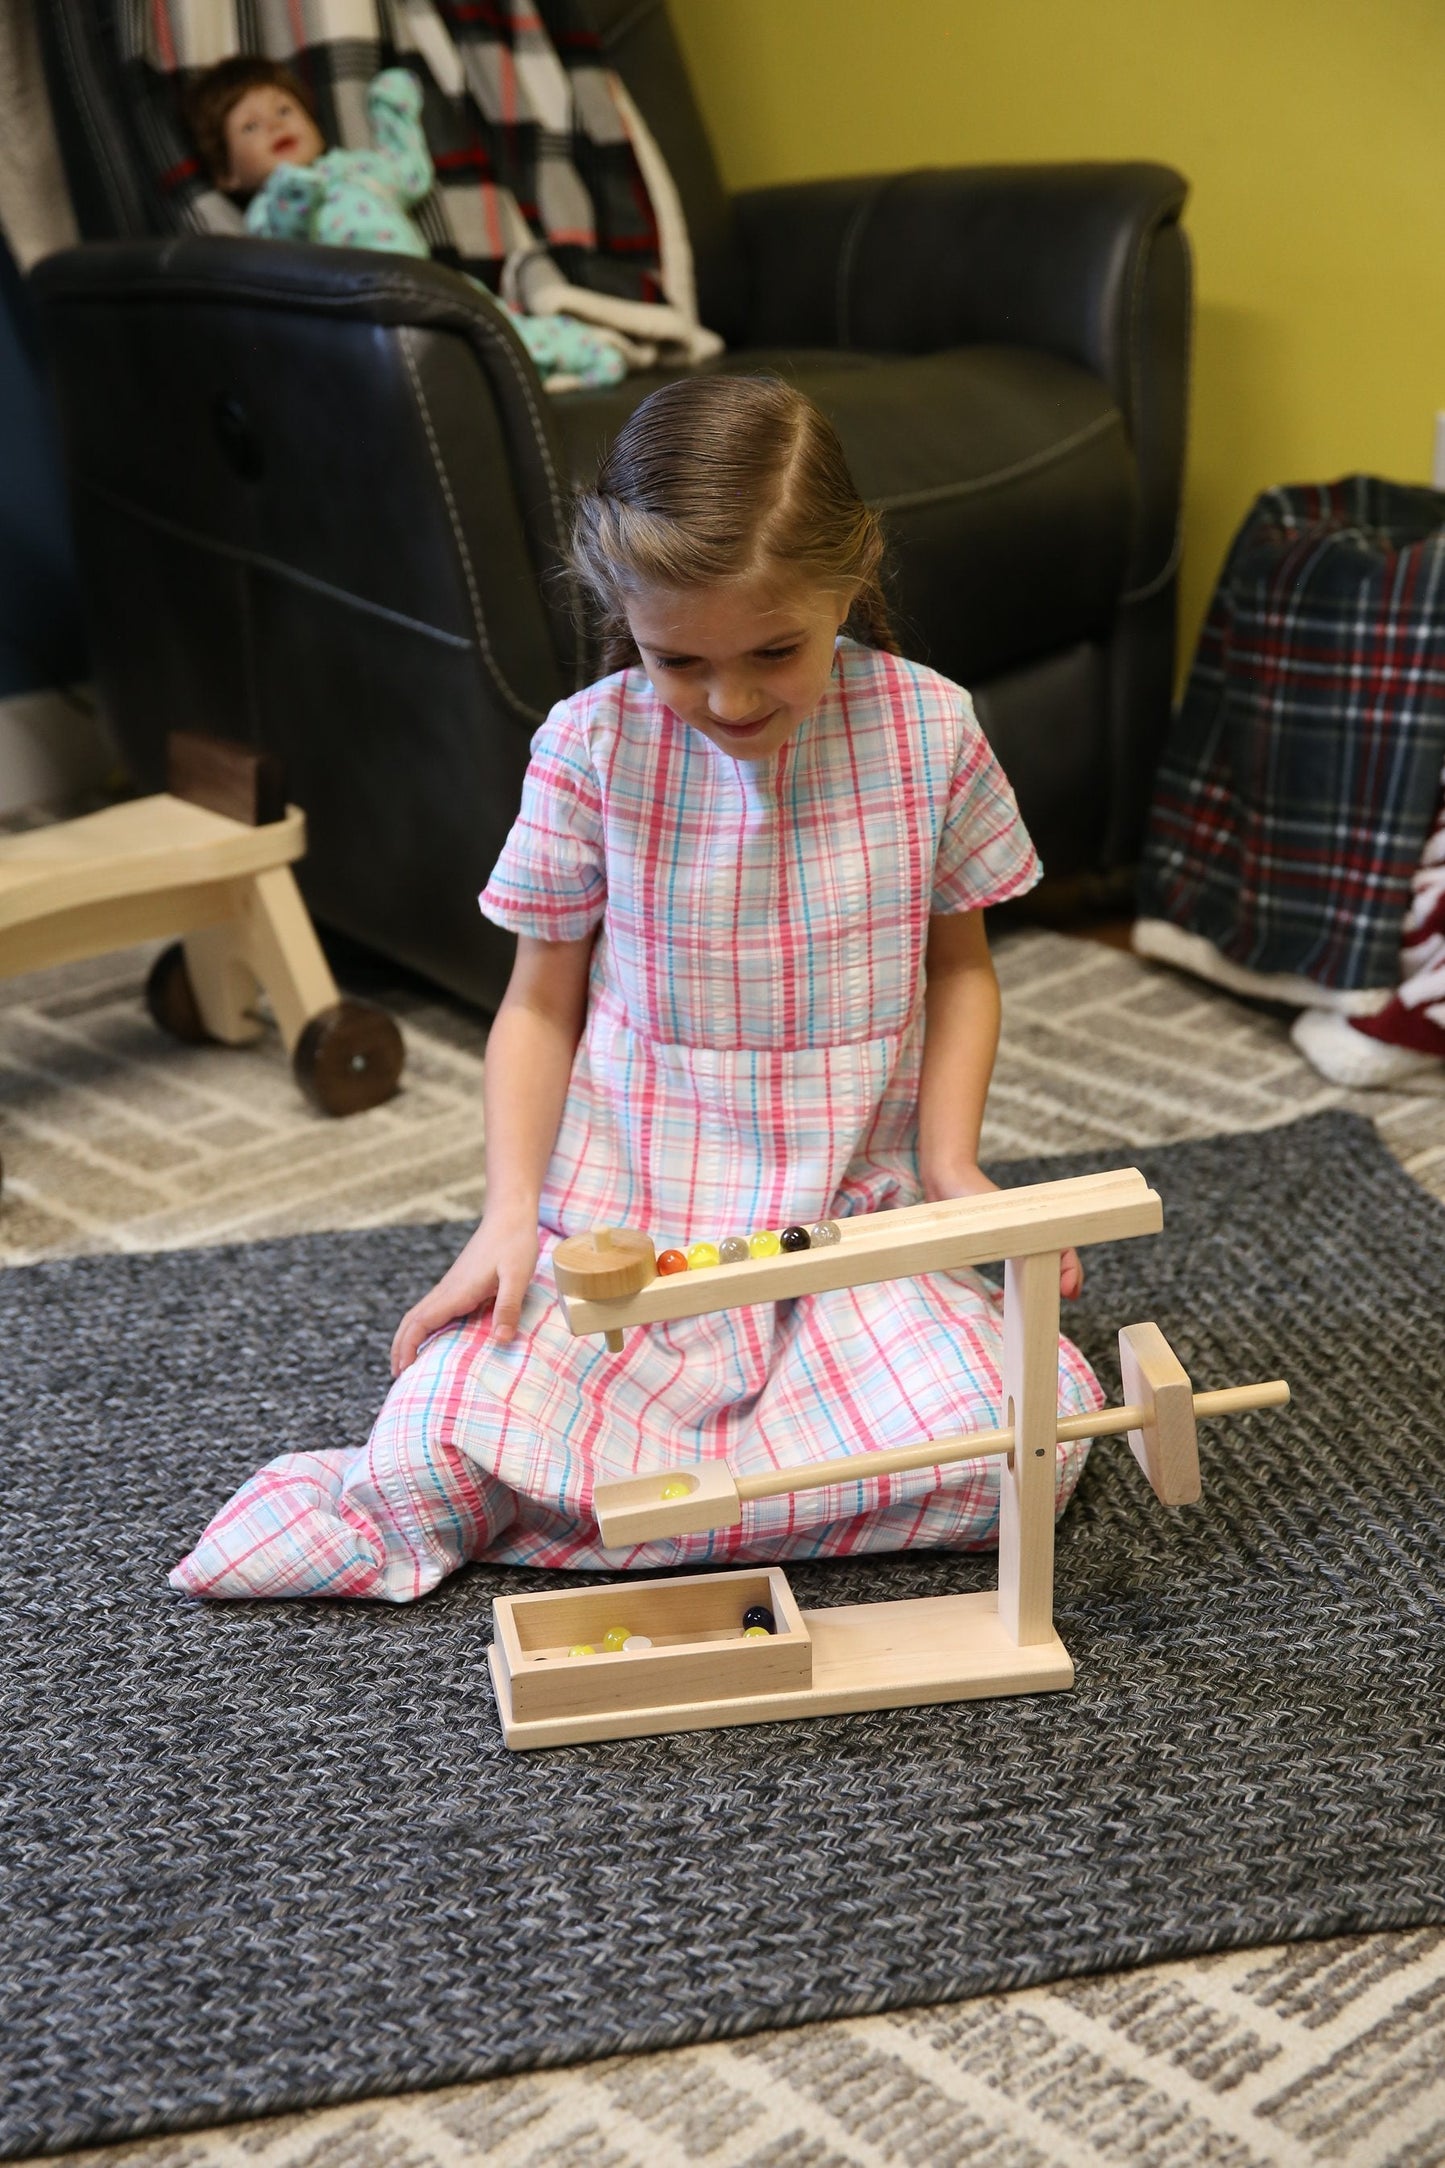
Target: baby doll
257, 133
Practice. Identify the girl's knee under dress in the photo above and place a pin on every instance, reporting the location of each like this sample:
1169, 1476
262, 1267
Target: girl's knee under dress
751, 1057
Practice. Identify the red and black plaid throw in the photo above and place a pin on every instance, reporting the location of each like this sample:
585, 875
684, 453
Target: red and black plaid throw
529, 144
1301, 775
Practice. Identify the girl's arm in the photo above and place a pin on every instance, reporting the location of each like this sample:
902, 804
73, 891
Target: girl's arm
961, 1011
524, 1087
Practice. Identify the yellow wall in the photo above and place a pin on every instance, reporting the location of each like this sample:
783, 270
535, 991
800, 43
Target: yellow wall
1312, 133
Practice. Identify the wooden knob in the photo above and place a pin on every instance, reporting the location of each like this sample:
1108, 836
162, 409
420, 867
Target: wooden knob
609, 1261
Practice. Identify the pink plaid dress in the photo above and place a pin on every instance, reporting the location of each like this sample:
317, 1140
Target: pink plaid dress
751, 1057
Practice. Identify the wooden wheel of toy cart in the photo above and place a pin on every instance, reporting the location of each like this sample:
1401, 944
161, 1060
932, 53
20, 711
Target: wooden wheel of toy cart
348, 1058
171, 999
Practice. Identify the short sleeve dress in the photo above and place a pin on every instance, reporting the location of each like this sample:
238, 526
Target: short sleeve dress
750, 1058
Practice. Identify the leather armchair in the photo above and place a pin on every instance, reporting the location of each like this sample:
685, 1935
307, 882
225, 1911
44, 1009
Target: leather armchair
319, 493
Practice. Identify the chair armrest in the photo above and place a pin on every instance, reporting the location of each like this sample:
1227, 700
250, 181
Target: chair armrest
1085, 261
367, 286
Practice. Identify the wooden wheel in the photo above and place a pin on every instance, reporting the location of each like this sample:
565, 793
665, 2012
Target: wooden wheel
171, 998
349, 1058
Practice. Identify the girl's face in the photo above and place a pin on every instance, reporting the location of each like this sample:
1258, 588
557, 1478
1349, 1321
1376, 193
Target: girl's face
265, 129
744, 663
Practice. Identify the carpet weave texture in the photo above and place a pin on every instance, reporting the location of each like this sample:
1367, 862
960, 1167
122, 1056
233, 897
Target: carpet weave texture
255, 1857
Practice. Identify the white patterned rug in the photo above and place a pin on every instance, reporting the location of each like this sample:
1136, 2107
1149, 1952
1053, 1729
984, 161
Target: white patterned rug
114, 1138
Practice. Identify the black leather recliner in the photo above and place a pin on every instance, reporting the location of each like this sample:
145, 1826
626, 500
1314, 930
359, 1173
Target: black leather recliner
319, 493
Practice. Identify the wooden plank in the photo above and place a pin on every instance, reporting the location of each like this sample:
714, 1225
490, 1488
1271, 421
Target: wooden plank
1026, 1479
922, 1651
94, 929
237, 780
1166, 1445
1046, 1217
278, 942
136, 849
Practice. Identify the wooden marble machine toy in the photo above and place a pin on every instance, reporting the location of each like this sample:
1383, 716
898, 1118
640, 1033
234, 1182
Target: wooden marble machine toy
692, 1652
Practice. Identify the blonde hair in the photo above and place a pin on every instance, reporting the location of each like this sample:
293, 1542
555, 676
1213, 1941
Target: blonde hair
718, 478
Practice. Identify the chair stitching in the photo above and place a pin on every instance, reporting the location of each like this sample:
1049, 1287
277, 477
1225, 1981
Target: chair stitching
1096, 428
232, 552
866, 206
1135, 364
512, 698
514, 362
1162, 577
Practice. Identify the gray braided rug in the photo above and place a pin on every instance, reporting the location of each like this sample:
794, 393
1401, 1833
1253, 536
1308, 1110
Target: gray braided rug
258, 1857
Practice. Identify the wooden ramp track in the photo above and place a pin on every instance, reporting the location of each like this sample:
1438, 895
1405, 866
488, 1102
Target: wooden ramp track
1043, 1219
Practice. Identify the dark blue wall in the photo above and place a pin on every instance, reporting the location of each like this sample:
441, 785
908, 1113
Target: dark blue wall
41, 642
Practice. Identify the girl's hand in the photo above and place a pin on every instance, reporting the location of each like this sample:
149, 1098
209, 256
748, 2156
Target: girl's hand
496, 1266
972, 1182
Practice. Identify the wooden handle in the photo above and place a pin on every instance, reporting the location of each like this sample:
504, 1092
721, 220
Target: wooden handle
983, 1444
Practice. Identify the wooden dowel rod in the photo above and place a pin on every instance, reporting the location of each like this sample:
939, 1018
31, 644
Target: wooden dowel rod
862, 1467
1236, 1399
985, 1444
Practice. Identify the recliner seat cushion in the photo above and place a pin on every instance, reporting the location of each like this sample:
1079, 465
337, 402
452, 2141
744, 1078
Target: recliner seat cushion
1005, 480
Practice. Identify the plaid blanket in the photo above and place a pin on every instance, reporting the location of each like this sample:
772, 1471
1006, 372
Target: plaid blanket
1301, 776
541, 159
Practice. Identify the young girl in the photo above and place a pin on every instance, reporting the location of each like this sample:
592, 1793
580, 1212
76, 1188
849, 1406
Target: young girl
752, 988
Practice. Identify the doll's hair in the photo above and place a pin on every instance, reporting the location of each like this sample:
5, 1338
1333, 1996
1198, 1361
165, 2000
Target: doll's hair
719, 478
211, 97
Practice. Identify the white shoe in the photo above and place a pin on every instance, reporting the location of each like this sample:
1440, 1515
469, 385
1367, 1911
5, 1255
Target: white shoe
1345, 1056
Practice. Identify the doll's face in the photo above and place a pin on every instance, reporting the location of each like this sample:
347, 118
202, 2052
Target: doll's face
264, 129
745, 664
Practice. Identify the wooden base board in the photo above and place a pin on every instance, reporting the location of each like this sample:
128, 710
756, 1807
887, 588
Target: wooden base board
865, 1656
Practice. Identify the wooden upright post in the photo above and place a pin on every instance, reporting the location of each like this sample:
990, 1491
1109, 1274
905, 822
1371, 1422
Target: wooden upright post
1026, 1480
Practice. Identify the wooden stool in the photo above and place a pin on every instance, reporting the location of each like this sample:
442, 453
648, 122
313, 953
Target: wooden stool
209, 861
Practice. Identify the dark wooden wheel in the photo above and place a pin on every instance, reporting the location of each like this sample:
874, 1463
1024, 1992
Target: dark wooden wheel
171, 998
349, 1058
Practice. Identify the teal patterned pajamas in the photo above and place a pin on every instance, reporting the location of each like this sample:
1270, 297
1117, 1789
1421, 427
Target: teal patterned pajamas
360, 199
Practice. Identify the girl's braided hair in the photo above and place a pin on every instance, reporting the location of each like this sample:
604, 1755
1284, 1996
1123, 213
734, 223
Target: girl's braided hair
719, 478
